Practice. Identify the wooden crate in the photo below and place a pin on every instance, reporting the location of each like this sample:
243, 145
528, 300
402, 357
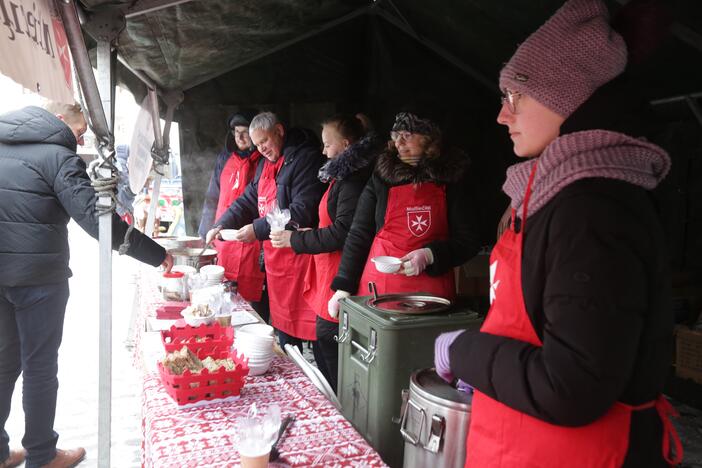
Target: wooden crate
688, 354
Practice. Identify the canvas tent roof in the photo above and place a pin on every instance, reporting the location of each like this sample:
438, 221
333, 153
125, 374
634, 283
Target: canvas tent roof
307, 59
181, 43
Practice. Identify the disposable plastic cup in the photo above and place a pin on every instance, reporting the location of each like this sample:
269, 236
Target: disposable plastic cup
224, 320
257, 461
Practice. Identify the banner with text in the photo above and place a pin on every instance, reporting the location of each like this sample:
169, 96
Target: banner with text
33, 48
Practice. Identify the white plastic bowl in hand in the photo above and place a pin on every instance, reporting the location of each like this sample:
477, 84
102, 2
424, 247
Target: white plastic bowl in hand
194, 321
385, 264
228, 234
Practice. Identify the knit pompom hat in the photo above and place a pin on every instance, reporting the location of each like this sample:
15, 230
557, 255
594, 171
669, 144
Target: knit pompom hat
564, 61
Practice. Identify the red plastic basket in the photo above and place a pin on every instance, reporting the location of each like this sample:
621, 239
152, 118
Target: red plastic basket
190, 388
214, 339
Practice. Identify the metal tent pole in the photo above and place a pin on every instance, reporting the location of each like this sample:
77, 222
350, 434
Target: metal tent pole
101, 112
158, 143
105, 63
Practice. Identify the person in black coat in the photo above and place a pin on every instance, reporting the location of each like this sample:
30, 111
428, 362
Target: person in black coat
351, 154
418, 162
237, 143
570, 363
44, 184
286, 177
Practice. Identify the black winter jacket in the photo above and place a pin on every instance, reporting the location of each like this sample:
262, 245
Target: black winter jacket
299, 190
43, 183
597, 290
350, 171
209, 206
463, 243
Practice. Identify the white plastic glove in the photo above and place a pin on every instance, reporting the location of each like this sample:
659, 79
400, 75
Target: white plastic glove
416, 261
333, 305
212, 234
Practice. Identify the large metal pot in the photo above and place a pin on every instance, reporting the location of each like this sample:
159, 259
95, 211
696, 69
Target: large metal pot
434, 422
179, 242
193, 258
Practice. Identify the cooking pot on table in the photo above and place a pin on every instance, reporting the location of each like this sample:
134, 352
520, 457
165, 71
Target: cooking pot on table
179, 242
194, 257
434, 422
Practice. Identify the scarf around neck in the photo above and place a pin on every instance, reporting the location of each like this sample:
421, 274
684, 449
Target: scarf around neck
581, 155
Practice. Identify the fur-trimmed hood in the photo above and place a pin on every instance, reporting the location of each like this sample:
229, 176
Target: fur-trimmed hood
357, 156
447, 168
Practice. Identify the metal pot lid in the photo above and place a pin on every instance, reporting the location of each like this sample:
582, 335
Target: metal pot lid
426, 383
410, 303
419, 303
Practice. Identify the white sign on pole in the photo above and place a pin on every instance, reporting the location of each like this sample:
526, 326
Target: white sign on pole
33, 48
139, 161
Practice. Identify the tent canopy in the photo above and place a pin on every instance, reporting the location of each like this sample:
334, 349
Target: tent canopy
307, 59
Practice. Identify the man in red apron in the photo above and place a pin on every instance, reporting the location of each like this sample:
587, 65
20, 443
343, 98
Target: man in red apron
570, 362
234, 169
286, 176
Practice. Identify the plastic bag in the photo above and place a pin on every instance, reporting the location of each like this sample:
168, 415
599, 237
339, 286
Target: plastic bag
277, 218
257, 431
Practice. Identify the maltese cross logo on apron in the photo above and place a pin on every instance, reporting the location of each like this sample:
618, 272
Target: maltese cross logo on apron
419, 220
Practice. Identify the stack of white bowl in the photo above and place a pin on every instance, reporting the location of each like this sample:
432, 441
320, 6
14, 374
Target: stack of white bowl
256, 343
212, 275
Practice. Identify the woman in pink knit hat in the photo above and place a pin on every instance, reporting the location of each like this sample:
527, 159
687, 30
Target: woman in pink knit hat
570, 363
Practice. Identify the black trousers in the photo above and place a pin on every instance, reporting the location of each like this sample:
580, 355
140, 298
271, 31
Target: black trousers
261, 307
329, 349
31, 329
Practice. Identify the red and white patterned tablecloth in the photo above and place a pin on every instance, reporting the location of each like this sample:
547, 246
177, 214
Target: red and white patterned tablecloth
204, 436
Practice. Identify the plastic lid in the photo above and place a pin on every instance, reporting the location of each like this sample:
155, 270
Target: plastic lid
174, 274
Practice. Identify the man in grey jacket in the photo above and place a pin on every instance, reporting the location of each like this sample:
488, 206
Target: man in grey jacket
43, 184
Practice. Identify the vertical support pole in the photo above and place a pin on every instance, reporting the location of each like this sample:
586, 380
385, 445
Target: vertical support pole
105, 83
158, 142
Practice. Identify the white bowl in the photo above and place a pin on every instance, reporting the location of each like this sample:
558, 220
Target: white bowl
259, 329
257, 355
258, 370
197, 321
212, 271
253, 347
256, 362
228, 234
385, 264
253, 342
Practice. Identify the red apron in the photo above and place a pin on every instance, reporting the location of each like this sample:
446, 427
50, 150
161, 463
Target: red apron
323, 269
239, 259
415, 216
285, 271
500, 436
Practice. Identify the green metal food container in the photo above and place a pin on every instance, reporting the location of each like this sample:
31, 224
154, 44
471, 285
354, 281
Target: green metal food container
378, 351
